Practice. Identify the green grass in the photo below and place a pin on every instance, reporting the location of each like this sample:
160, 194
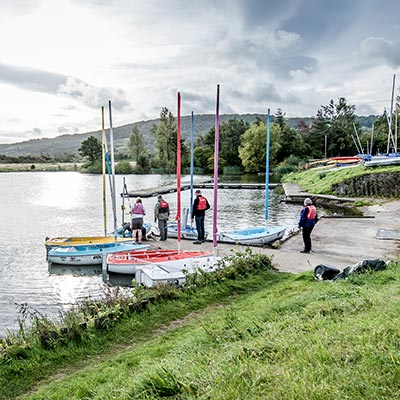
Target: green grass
319, 181
270, 336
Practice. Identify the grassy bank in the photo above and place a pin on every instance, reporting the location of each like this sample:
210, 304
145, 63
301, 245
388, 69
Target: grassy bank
320, 181
40, 167
262, 335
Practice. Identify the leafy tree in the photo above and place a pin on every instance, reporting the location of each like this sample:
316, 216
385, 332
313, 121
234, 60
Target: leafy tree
230, 137
336, 121
92, 149
137, 148
166, 142
252, 150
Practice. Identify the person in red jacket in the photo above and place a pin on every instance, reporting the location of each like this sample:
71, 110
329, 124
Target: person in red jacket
308, 219
200, 206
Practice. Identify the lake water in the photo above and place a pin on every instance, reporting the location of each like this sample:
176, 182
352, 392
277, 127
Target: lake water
40, 204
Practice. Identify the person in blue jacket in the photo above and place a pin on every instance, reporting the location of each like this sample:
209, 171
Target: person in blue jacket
308, 219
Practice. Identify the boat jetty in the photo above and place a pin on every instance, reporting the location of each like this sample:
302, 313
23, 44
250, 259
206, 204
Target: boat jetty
152, 192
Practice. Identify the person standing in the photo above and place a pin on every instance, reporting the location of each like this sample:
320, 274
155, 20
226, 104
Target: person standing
200, 206
308, 219
161, 213
137, 213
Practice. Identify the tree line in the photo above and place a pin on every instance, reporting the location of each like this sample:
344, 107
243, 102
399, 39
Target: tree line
334, 131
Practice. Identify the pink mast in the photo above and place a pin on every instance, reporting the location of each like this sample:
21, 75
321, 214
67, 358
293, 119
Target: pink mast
178, 172
216, 147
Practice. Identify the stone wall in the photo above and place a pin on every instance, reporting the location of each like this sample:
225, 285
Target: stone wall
371, 185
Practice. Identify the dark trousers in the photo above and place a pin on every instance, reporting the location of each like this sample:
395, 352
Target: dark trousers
162, 226
307, 237
200, 227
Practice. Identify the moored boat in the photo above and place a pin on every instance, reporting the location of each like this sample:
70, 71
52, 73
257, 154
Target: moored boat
55, 242
89, 254
128, 262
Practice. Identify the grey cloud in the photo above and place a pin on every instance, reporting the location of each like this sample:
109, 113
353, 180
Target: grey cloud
34, 132
62, 129
386, 51
284, 66
319, 21
31, 79
92, 96
48, 82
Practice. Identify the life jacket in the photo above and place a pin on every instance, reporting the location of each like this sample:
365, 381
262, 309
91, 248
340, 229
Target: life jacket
163, 206
138, 209
312, 212
202, 205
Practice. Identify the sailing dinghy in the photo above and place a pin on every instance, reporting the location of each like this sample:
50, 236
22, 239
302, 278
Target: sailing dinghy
89, 255
129, 262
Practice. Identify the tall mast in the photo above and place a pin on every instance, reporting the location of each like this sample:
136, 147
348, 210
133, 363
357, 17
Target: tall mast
267, 166
113, 171
178, 171
191, 165
216, 148
103, 163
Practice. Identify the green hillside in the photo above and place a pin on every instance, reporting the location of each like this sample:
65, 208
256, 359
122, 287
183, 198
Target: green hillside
67, 144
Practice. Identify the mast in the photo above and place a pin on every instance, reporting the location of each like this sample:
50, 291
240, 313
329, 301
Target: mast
178, 172
216, 148
267, 165
113, 171
191, 165
103, 162
390, 136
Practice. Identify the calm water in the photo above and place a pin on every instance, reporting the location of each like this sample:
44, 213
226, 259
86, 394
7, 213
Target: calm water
36, 205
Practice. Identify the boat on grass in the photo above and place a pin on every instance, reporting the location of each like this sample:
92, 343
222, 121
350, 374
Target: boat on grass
89, 254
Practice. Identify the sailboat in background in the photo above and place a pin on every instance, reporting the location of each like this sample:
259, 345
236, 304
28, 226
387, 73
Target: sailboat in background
259, 235
188, 231
99, 241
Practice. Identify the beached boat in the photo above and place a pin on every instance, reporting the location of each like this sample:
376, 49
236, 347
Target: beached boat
258, 235
389, 159
90, 254
155, 274
128, 262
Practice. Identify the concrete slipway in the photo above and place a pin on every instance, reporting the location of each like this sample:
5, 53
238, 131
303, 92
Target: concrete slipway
337, 242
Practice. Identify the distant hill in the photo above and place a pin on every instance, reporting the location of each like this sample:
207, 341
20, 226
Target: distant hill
68, 144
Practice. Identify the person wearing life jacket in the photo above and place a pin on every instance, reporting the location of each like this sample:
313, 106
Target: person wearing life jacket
200, 206
137, 214
161, 213
308, 219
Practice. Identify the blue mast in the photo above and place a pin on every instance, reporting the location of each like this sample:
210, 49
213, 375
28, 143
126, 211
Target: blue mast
267, 166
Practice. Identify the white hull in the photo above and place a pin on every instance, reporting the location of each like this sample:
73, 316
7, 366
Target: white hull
169, 265
252, 237
88, 255
155, 275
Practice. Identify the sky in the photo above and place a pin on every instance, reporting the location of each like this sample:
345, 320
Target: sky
62, 60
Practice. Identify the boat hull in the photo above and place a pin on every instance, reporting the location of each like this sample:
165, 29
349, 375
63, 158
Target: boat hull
128, 263
88, 255
257, 236
155, 275
187, 232
83, 241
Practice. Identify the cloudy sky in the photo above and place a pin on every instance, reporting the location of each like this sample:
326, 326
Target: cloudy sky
61, 60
